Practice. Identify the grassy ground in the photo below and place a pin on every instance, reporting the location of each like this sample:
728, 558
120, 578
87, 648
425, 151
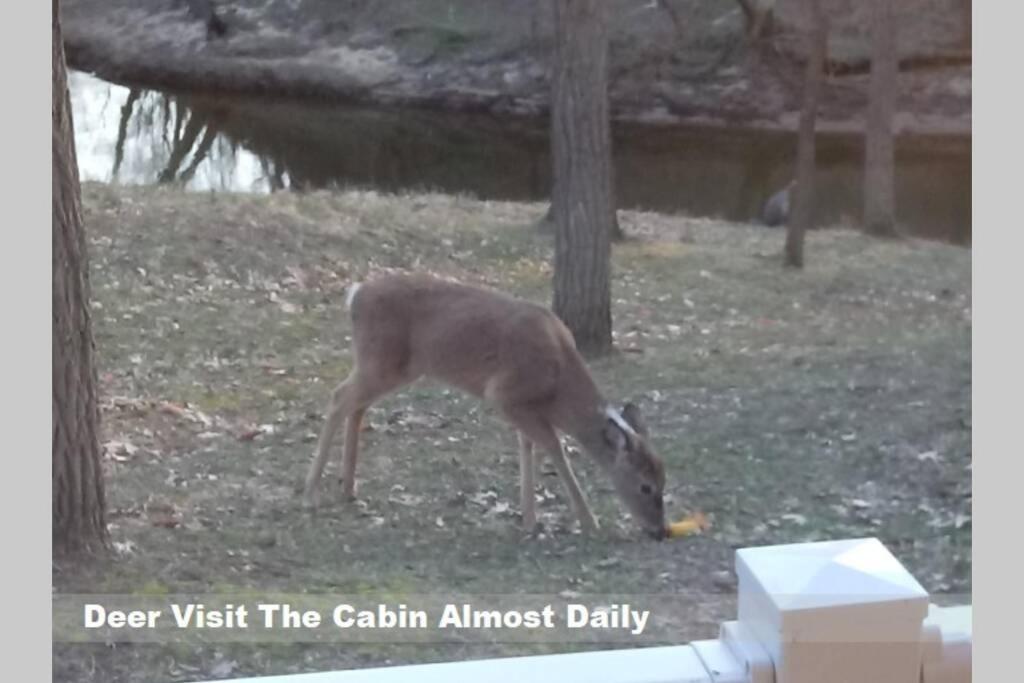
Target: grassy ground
789, 406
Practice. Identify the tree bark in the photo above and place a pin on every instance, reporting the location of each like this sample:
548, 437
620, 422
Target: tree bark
966, 23
583, 205
758, 17
803, 191
77, 494
879, 162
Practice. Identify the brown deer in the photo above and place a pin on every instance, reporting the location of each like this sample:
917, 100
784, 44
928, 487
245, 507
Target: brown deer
516, 355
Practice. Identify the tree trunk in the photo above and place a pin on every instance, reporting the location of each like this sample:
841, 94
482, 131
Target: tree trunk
966, 24
803, 191
584, 207
879, 175
182, 147
758, 17
78, 498
122, 130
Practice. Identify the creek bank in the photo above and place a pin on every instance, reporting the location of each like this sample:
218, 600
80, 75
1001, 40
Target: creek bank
481, 56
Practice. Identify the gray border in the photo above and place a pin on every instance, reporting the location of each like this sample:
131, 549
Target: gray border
997, 365
25, 502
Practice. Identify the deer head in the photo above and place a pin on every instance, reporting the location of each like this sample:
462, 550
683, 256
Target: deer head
637, 473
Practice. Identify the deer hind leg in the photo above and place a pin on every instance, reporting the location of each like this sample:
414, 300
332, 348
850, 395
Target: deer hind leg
347, 473
527, 469
539, 431
349, 400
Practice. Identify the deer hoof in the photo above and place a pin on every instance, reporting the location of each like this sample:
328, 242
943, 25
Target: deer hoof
348, 492
309, 499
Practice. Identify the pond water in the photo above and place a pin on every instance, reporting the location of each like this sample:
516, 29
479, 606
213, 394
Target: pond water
232, 143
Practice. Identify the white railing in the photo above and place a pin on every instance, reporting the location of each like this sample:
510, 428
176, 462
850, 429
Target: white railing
844, 611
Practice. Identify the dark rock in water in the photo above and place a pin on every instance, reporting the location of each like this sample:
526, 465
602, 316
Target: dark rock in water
776, 209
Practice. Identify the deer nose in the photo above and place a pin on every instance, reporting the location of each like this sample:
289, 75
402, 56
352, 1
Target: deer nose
659, 534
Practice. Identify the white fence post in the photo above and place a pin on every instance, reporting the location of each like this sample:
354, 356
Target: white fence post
833, 611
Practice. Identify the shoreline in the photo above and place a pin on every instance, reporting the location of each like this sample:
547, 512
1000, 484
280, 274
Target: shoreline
528, 111
144, 44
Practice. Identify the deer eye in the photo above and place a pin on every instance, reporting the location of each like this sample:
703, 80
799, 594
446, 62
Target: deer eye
646, 489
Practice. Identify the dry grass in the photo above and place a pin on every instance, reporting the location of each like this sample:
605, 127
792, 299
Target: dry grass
789, 406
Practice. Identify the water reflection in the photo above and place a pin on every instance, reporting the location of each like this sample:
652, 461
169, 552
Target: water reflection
130, 135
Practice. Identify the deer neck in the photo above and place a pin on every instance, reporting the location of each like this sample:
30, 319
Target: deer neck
582, 413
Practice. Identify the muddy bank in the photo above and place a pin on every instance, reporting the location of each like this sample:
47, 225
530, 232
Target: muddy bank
691, 64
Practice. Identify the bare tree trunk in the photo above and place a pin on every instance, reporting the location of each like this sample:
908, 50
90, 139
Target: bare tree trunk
182, 147
584, 207
78, 497
803, 192
966, 23
202, 151
879, 162
758, 17
122, 130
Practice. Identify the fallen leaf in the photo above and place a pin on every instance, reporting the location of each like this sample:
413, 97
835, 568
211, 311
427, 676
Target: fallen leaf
406, 499
223, 668
297, 276
171, 409
119, 451
124, 547
795, 518
249, 433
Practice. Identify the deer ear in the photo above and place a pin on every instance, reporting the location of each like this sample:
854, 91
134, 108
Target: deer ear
631, 414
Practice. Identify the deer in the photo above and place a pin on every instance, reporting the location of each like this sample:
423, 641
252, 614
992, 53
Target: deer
515, 355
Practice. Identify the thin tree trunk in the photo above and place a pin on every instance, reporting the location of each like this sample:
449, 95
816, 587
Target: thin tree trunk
180, 113
122, 130
803, 192
77, 495
584, 205
182, 147
879, 162
202, 151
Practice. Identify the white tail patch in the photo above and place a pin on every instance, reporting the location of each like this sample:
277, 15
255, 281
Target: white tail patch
351, 294
617, 418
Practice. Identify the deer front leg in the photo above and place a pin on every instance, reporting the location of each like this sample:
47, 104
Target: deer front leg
527, 470
338, 409
579, 503
541, 433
